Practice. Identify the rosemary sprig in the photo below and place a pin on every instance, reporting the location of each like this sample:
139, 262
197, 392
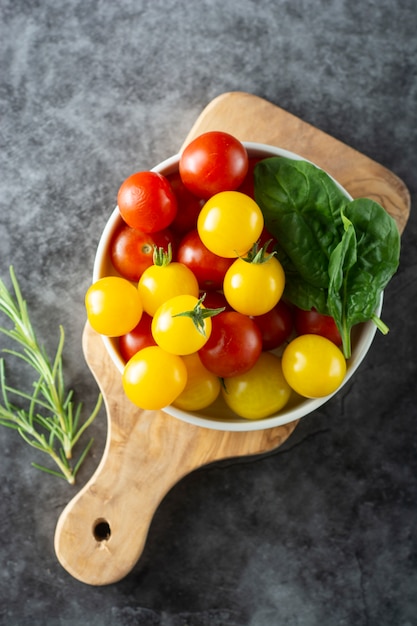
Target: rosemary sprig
49, 421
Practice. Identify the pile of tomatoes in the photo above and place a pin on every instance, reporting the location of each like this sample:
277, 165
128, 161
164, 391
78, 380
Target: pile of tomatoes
197, 304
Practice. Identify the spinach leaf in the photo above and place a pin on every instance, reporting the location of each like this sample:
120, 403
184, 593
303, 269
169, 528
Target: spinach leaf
301, 207
338, 255
356, 283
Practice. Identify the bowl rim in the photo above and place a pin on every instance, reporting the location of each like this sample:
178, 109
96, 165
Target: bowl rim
307, 405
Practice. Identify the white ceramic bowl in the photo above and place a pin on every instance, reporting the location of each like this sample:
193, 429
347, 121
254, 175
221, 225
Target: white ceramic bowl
218, 416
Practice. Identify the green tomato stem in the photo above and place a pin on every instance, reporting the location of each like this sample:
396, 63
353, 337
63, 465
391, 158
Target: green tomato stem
258, 255
199, 313
162, 257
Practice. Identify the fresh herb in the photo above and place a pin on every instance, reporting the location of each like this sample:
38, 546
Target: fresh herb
49, 422
338, 255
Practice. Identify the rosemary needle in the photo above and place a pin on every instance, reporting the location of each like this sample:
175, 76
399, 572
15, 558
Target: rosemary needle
46, 418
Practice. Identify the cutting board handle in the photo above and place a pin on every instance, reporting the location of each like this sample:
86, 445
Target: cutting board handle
101, 533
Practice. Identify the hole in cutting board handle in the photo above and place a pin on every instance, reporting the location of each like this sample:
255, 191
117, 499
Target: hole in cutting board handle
101, 530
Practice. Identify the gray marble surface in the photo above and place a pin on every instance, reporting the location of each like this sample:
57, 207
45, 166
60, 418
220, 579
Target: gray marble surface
323, 530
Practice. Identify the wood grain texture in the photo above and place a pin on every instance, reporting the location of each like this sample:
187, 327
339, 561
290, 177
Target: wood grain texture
101, 533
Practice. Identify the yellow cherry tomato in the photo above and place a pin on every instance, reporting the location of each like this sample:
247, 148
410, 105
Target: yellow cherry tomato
260, 392
159, 283
153, 378
178, 333
229, 223
202, 386
113, 306
254, 288
313, 366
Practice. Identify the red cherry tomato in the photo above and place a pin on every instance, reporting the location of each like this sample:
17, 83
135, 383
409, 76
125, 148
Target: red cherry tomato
131, 251
208, 268
234, 345
276, 326
188, 206
147, 202
213, 162
314, 323
138, 338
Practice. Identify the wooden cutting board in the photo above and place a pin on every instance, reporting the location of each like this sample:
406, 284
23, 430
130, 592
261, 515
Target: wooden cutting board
101, 533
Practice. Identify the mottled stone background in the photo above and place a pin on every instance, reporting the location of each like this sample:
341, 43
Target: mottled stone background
322, 531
